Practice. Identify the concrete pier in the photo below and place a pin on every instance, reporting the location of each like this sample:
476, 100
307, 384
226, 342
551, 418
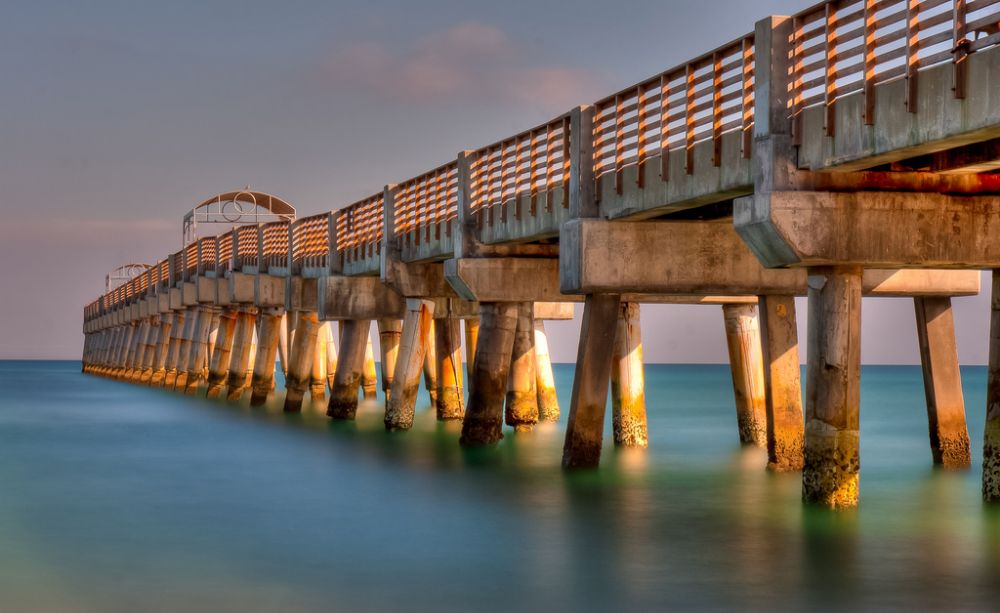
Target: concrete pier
242, 352
483, 423
782, 383
184, 349
390, 332
832, 464
545, 382
267, 348
174, 352
471, 341
317, 378
399, 408
331, 353
369, 375
585, 428
450, 401
747, 365
949, 435
162, 349
208, 317
350, 362
430, 363
628, 385
521, 407
221, 356
302, 355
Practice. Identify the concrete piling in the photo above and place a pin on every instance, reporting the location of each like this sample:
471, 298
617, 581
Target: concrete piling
162, 349
471, 340
184, 349
548, 402
207, 317
317, 378
430, 363
782, 383
301, 357
448, 351
267, 348
483, 423
389, 333
399, 408
949, 435
241, 354
174, 351
369, 375
521, 406
747, 365
331, 354
832, 462
628, 386
585, 428
350, 362
218, 367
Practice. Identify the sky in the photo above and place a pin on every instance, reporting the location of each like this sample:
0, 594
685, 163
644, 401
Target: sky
116, 118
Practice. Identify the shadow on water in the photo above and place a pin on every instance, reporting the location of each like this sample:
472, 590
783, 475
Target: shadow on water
115, 496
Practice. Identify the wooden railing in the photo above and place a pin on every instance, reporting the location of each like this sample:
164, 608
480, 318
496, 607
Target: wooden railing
534, 163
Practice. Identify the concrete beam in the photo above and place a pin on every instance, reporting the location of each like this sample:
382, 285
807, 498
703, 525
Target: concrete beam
357, 298
684, 257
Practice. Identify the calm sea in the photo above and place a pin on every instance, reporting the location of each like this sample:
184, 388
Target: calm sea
115, 497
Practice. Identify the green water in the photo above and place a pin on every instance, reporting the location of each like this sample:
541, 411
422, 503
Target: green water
115, 497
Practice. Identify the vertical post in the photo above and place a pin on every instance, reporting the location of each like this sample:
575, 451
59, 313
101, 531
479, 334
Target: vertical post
317, 379
483, 424
471, 340
267, 347
389, 333
174, 352
747, 365
218, 366
448, 350
589, 400
628, 383
782, 382
949, 435
284, 336
242, 350
301, 358
152, 341
832, 463
548, 403
162, 348
430, 363
369, 376
350, 361
991, 434
522, 393
199, 348
331, 355
184, 349
399, 409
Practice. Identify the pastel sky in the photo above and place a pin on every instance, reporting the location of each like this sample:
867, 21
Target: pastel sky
117, 117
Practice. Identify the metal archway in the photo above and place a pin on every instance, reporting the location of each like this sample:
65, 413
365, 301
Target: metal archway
234, 208
123, 274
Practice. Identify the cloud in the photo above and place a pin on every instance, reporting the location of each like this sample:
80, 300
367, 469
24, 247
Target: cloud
469, 62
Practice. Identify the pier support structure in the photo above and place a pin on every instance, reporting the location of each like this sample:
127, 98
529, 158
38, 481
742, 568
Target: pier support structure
628, 384
343, 402
782, 382
240, 368
450, 401
399, 409
548, 402
267, 348
302, 355
483, 423
521, 410
746, 363
390, 332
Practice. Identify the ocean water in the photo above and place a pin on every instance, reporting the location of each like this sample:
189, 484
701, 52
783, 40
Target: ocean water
115, 497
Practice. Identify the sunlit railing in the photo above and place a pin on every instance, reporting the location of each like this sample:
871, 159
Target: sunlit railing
311, 243
426, 205
359, 229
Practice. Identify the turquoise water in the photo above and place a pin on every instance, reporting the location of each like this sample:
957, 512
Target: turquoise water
115, 497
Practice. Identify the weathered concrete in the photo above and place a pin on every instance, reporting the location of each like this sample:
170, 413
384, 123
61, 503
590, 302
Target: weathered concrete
242, 351
389, 333
949, 435
301, 358
174, 352
350, 362
471, 341
585, 429
747, 365
267, 348
369, 376
991, 433
548, 403
399, 409
318, 375
483, 423
628, 386
782, 385
331, 354
207, 316
450, 400
184, 349
430, 361
521, 407
162, 349
218, 366
832, 464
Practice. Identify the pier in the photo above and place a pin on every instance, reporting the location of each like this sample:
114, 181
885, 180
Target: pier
850, 150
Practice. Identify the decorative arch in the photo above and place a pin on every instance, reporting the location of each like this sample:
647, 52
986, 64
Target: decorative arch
244, 206
123, 274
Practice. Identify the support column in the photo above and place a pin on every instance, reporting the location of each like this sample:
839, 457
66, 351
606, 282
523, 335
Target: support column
430, 363
267, 347
331, 355
991, 434
317, 380
521, 408
782, 382
448, 350
135, 348
152, 344
184, 349
832, 464
389, 333
199, 347
548, 402
218, 367
949, 435
162, 349
301, 358
284, 338
471, 340
399, 408
585, 429
350, 361
483, 424
174, 352
242, 352
369, 376
628, 382
747, 365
